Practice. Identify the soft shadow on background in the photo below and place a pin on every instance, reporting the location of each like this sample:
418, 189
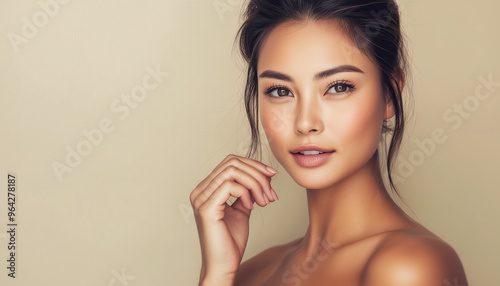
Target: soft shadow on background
112, 112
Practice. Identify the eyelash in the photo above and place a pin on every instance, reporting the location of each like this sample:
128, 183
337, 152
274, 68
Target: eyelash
344, 83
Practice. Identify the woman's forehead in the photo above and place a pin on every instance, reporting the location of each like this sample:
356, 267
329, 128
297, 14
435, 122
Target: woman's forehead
310, 46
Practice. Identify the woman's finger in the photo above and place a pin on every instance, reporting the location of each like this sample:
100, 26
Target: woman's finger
263, 180
220, 196
232, 159
256, 164
243, 205
232, 173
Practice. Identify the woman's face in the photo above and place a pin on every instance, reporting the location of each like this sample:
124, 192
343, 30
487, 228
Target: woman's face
315, 87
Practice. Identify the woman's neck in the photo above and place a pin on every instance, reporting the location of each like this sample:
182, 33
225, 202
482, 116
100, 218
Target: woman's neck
354, 208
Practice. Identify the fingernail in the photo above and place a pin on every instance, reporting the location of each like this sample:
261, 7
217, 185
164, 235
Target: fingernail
266, 199
275, 195
271, 170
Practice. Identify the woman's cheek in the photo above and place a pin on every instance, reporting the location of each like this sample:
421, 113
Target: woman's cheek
265, 119
359, 128
272, 126
276, 121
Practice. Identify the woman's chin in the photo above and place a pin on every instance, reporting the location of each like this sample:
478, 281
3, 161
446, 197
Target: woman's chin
312, 181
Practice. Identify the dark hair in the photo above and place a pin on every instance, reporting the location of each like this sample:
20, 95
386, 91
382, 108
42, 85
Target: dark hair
373, 26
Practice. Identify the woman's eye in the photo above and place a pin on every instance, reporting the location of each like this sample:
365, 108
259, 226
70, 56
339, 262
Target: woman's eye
340, 88
279, 92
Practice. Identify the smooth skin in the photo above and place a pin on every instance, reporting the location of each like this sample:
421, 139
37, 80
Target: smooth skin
356, 234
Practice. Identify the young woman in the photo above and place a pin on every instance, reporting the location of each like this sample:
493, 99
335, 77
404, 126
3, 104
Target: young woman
331, 72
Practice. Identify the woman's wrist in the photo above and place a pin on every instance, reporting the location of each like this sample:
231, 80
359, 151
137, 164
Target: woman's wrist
217, 280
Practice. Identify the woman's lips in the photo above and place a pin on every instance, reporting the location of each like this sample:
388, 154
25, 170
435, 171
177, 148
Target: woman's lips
310, 147
310, 161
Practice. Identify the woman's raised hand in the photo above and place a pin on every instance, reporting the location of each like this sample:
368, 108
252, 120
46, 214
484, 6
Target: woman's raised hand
223, 228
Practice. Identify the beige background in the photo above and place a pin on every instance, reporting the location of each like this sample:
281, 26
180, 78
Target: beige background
124, 208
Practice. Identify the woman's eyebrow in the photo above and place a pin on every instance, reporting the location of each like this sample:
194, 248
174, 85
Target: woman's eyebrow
320, 75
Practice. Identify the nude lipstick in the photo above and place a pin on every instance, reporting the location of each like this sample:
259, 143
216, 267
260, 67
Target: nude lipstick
310, 155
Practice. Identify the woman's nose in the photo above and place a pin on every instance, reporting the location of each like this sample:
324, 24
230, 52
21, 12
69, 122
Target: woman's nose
308, 117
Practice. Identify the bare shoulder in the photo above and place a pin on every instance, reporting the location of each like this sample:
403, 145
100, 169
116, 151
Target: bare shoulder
413, 259
259, 267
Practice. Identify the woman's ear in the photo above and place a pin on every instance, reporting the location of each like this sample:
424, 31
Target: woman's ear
389, 109
389, 106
